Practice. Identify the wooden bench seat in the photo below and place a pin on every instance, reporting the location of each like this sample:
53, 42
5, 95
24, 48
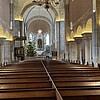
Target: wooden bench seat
72, 72
74, 69
20, 67
77, 84
73, 75
31, 94
73, 79
29, 81
70, 67
22, 76
26, 85
25, 80
27, 77
24, 73
78, 77
19, 71
30, 65
80, 94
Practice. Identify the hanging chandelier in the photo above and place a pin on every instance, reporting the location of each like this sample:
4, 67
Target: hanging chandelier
46, 3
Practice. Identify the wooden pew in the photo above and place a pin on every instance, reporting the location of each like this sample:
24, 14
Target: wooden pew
27, 81
70, 81
28, 94
27, 85
61, 84
74, 74
73, 69
80, 94
22, 76
76, 82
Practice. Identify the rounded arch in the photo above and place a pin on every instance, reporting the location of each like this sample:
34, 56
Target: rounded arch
7, 35
39, 18
31, 4
2, 32
10, 37
78, 32
31, 36
88, 27
71, 35
36, 25
28, 14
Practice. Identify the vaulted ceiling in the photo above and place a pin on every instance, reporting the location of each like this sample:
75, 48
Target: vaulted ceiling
39, 24
20, 6
25, 7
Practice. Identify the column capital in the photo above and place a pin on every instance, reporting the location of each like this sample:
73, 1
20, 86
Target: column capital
70, 42
2, 40
87, 36
7, 42
78, 40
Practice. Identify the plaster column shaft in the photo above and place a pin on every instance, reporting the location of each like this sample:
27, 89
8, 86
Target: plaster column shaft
72, 50
96, 33
53, 38
67, 51
7, 51
67, 25
94, 42
58, 40
2, 50
78, 41
78, 51
87, 39
87, 51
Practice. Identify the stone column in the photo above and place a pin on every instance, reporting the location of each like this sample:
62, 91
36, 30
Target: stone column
78, 41
67, 25
62, 40
58, 39
72, 49
2, 60
96, 33
53, 37
7, 54
87, 39
12, 50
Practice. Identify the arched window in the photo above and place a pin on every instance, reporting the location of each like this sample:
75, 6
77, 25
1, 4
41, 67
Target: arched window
40, 40
31, 36
40, 43
47, 39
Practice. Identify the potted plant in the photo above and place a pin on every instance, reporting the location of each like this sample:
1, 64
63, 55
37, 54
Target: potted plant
31, 49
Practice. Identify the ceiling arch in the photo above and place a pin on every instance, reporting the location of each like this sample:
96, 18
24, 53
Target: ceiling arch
31, 4
38, 11
21, 6
39, 25
39, 18
79, 32
89, 25
1, 31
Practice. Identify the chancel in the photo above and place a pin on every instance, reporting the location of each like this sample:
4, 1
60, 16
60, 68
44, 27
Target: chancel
49, 50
